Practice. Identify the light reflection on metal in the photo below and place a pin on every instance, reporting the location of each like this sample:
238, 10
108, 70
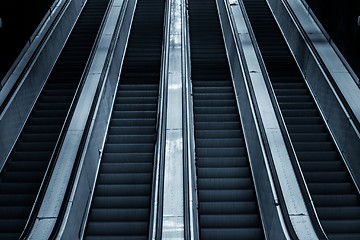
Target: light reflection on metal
331, 81
294, 201
57, 186
191, 211
173, 194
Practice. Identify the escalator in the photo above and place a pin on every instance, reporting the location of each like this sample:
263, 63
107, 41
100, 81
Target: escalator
227, 201
121, 203
26, 165
332, 190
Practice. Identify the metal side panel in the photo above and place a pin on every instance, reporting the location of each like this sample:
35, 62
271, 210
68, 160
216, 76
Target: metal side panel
336, 92
227, 200
191, 197
123, 192
319, 160
267, 147
99, 65
33, 157
32, 47
82, 190
173, 195
20, 104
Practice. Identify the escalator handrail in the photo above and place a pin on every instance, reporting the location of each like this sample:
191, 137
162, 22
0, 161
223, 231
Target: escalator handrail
44, 185
157, 191
191, 223
89, 121
338, 52
48, 22
260, 129
106, 68
336, 91
290, 148
189, 137
111, 72
347, 109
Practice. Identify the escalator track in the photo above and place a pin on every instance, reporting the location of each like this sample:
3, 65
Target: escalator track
121, 203
24, 170
332, 190
228, 206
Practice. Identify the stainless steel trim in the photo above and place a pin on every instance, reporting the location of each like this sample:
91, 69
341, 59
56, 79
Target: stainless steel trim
277, 154
173, 198
18, 108
190, 136
56, 188
330, 83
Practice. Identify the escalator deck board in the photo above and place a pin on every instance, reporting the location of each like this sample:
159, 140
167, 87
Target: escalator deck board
227, 201
26, 165
328, 180
121, 203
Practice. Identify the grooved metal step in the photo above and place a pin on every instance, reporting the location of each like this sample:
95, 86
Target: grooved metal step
227, 202
121, 203
26, 165
332, 190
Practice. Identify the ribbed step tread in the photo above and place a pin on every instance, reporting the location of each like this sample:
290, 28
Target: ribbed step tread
227, 202
328, 180
26, 166
121, 204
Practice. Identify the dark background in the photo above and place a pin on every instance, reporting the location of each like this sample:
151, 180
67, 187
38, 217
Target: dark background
339, 18
20, 18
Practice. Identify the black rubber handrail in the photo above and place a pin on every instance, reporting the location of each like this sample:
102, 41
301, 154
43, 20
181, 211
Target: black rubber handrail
188, 136
331, 42
306, 195
58, 146
80, 150
161, 131
276, 181
323, 66
159, 149
33, 57
210, 75
187, 132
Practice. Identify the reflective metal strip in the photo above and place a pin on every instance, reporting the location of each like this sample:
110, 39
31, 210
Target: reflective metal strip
173, 198
294, 201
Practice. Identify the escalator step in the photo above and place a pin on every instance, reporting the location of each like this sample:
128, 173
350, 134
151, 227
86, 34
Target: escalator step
123, 168
222, 162
128, 157
229, 233
342, 213
117, 228
230, 221
121, 203
332, 200
224, 182
228, 208
7, 200
119, 215
212, 175
24, 170
225, 142
226, 196
326, 176
331, 188
132, 189
227, 202
117, 179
